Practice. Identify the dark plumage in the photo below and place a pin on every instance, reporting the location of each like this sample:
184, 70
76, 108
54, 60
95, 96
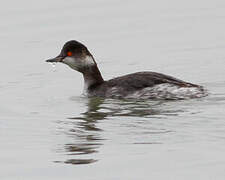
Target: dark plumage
144, 85
136, 82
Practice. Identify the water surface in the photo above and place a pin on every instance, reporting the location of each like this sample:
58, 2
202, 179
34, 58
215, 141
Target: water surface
49, 131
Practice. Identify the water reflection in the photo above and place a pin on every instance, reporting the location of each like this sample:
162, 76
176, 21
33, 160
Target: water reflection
86, 133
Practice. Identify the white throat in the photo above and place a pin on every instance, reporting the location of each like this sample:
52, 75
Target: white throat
87, 66
79, 63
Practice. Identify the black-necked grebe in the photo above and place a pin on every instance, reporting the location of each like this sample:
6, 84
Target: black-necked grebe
140, 85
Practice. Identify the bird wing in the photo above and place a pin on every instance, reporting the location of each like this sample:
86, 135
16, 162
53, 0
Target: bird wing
142, 80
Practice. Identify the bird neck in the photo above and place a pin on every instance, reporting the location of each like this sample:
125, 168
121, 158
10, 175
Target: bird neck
92, 78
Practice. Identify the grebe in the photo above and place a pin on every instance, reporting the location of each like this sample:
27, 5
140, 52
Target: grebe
139, 85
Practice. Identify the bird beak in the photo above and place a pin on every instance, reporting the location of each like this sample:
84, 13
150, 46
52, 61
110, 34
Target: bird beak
56, 59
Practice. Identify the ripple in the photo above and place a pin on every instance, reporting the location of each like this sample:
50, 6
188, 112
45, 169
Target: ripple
85, 133
77, 161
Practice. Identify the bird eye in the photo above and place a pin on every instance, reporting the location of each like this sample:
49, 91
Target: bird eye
69, 53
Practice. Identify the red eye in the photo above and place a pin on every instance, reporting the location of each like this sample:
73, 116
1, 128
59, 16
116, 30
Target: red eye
69, 53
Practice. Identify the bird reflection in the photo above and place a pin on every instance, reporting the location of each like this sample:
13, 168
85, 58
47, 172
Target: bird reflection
85, 131
85, 128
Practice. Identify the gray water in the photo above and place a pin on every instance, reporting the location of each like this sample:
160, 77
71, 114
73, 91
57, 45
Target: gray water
49, 131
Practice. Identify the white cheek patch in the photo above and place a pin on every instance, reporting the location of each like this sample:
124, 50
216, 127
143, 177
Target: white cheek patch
79, 62
70, 62
88, 61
